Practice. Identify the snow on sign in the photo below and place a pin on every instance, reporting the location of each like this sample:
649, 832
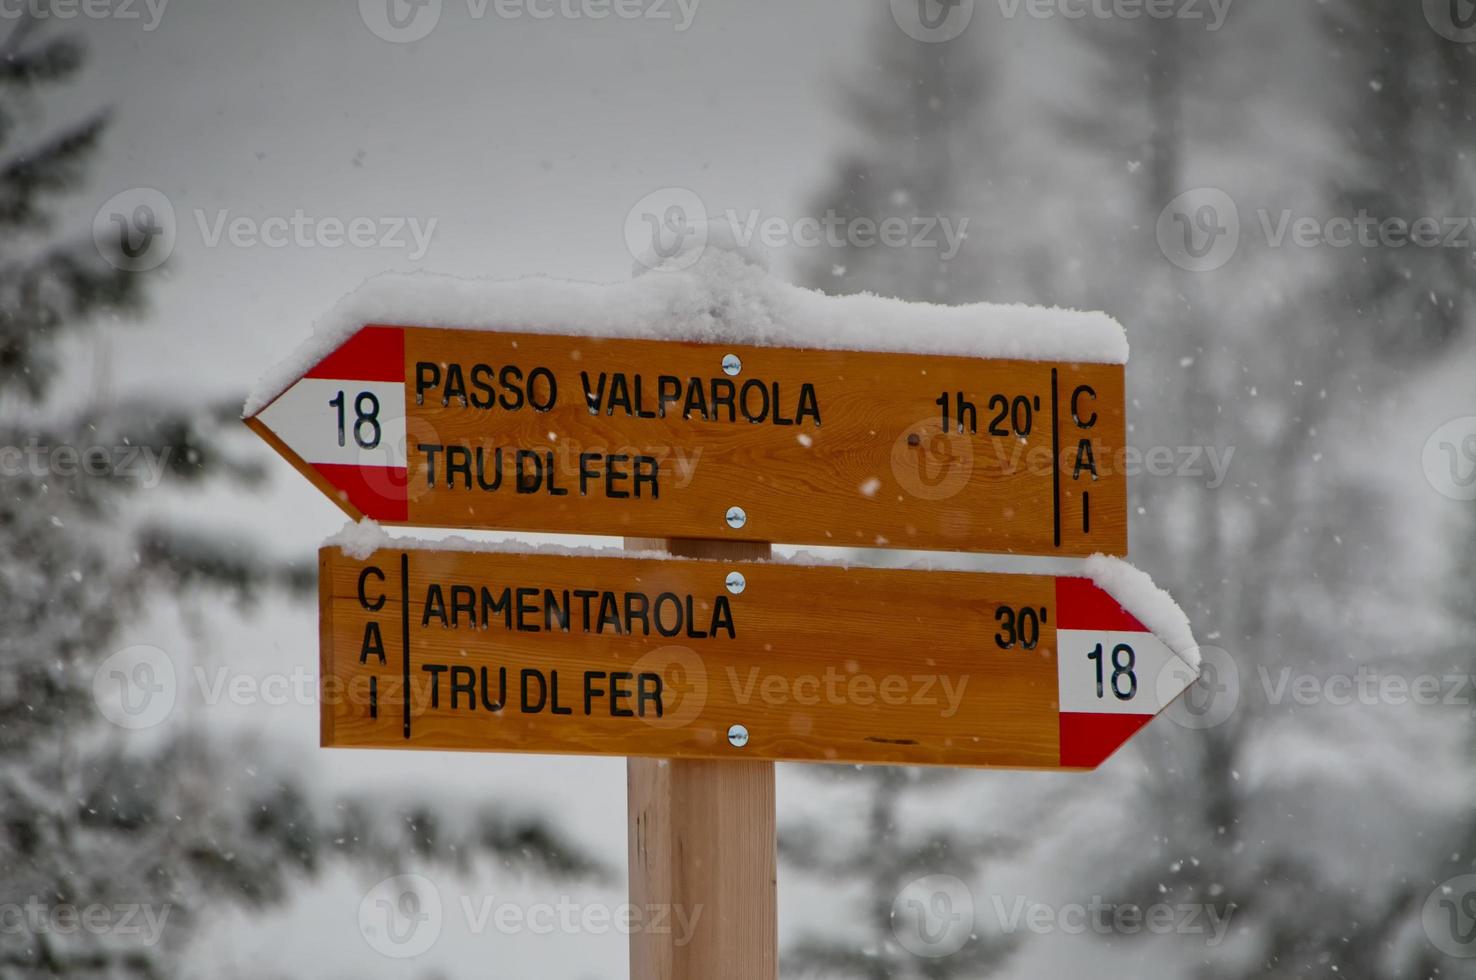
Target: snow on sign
488, 648
515, 430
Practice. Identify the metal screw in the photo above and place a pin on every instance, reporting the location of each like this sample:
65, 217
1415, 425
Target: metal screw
731, 364
737, 517
736, 582
737, 736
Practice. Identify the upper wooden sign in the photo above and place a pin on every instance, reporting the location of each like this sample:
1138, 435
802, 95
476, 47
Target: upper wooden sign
667, 439
532, 431
533, 652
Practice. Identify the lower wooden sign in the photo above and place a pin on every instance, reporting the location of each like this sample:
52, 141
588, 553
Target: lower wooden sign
505, 651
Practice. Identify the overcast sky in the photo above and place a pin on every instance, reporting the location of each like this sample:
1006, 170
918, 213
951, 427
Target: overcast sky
525, 140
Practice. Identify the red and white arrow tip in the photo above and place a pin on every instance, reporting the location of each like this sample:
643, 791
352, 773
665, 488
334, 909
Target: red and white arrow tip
342, 423
1114, 674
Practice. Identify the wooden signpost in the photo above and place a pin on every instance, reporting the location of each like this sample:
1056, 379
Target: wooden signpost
652, 656
517, 431
705, 664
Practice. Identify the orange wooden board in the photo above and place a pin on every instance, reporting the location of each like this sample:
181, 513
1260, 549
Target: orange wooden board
518, 431
651, 656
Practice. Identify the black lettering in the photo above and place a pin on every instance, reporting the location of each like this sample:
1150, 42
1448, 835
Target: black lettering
750, 386
511, 378
609, 614
614, 475
464, 681
487, 703
430, 449
528, 706
586, 472
641, 410
648, 688
502, 689
482, 469
553, 612
590, 691
435, 605
373, 643
550, 382
668, 390
494, 603
593, 397
529, 482
1076, 411
435, 670
696, 399
484, 391
723, 393
527, 608
671, 601
617, 691
647, 473
809, 405
458, 461
427, 376
463, 600
619, 395
364, 574
553, 472
1085, 460
553, 695
455, 385
637, 607
722, 617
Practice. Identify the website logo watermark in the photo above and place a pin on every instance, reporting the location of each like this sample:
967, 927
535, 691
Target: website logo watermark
404, 21
1449, 916
149, 12
933, 21
139, 923
671, 227
1201, 230
1449, 459
137, 230
1454, 20
404, 916
1211, 13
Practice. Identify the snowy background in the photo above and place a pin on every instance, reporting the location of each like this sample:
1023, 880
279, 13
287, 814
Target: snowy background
1274, 199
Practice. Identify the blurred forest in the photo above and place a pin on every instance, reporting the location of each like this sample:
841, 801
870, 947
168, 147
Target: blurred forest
1314, 828
1077, 151
190, 820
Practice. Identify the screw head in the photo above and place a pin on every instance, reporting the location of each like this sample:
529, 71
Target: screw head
736, 582
737, 517
732, 364
737, 736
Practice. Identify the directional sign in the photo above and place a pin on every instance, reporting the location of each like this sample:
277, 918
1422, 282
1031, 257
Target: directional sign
520, 431
675, 658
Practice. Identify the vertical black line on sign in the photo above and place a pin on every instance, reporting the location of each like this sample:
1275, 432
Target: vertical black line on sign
1086, 512
405, 633
1055, 460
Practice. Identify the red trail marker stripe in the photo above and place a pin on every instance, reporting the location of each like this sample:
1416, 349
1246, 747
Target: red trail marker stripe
1082, 605
372, 354
1088, 739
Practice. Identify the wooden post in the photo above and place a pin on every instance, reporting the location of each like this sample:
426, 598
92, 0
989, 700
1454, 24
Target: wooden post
702, 844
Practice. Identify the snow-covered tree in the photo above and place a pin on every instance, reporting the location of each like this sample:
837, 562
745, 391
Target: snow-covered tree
86, 817
920, 151
1285, 354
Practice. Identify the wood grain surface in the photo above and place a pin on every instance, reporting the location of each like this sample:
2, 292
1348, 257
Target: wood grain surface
824, 663
817, 447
